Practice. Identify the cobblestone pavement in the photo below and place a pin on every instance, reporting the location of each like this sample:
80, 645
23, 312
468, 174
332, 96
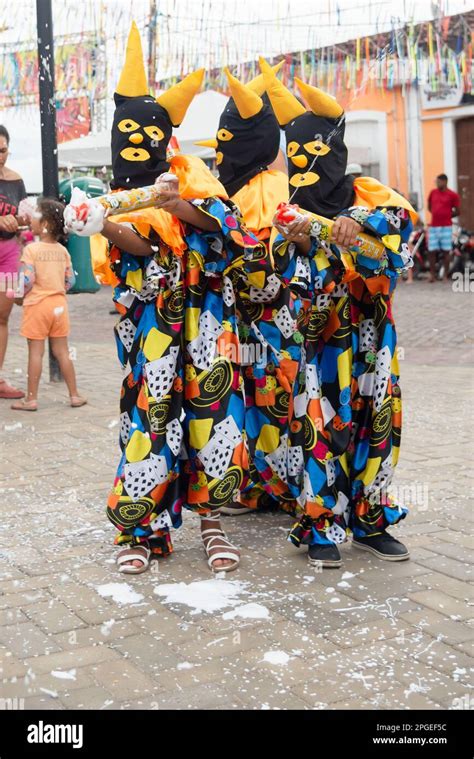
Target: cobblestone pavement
372, 635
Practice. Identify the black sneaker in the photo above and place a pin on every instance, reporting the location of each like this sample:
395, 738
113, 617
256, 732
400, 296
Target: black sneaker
324, 556
384, 546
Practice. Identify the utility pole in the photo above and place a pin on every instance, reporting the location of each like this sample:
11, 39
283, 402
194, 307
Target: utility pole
152, 44
49, 146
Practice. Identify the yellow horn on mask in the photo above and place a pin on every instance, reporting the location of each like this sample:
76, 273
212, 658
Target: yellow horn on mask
247, 102
133, 80
285, 106
178, 98
320, 102
257, 84
212, 143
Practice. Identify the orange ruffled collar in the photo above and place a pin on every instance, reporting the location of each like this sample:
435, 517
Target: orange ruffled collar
259, 198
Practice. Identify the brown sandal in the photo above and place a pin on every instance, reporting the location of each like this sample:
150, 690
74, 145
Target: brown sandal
77, 401
25, 406
9, 392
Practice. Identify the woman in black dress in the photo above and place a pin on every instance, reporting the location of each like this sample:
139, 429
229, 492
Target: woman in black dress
12, 191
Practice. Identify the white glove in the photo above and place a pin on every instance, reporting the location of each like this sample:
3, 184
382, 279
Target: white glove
83, 216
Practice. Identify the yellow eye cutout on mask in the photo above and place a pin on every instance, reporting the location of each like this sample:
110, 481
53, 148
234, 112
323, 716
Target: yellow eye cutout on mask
154, 132
128, 125
299, 160
292, 148
135, 154
219, 157
303, 180
224, 135
317, 147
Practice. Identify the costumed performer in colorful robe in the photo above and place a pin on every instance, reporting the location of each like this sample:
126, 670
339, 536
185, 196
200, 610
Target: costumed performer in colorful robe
254, 174
181, 408
346, 407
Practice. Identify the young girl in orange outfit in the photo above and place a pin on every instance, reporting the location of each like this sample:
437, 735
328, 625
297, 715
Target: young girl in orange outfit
47, 272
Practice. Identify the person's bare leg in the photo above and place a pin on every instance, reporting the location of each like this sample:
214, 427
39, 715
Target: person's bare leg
6, 305
432, 254
446, 261
35, 367
60, 348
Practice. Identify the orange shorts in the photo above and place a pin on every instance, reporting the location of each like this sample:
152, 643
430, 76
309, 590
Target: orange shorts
48, 318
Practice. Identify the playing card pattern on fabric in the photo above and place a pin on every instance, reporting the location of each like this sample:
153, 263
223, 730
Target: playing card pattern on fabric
181, 405
270, 337
345, 423
271, 346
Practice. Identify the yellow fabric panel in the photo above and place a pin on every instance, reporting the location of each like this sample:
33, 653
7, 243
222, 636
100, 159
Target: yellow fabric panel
168, 227
195, 179
269, 438
155, 344
100, 261
192, 323
392, 242
347, 260
138, 447
394, 367
321, 259
344, 367
257, 279
199, 432
371, 193
259, 198
135, 279
371, 470
344, 463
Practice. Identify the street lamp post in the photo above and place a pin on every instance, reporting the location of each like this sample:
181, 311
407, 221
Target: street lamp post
49, 146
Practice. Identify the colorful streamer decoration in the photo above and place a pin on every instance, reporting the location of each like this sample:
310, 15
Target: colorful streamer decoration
74, 73
401, 62
436, 54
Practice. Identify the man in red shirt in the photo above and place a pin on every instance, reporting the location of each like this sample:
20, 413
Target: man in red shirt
443, 204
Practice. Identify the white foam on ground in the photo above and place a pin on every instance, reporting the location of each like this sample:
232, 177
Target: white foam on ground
248, 611
276, 657
63, 674
52, 693
120, 592
106, 626
204, 595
